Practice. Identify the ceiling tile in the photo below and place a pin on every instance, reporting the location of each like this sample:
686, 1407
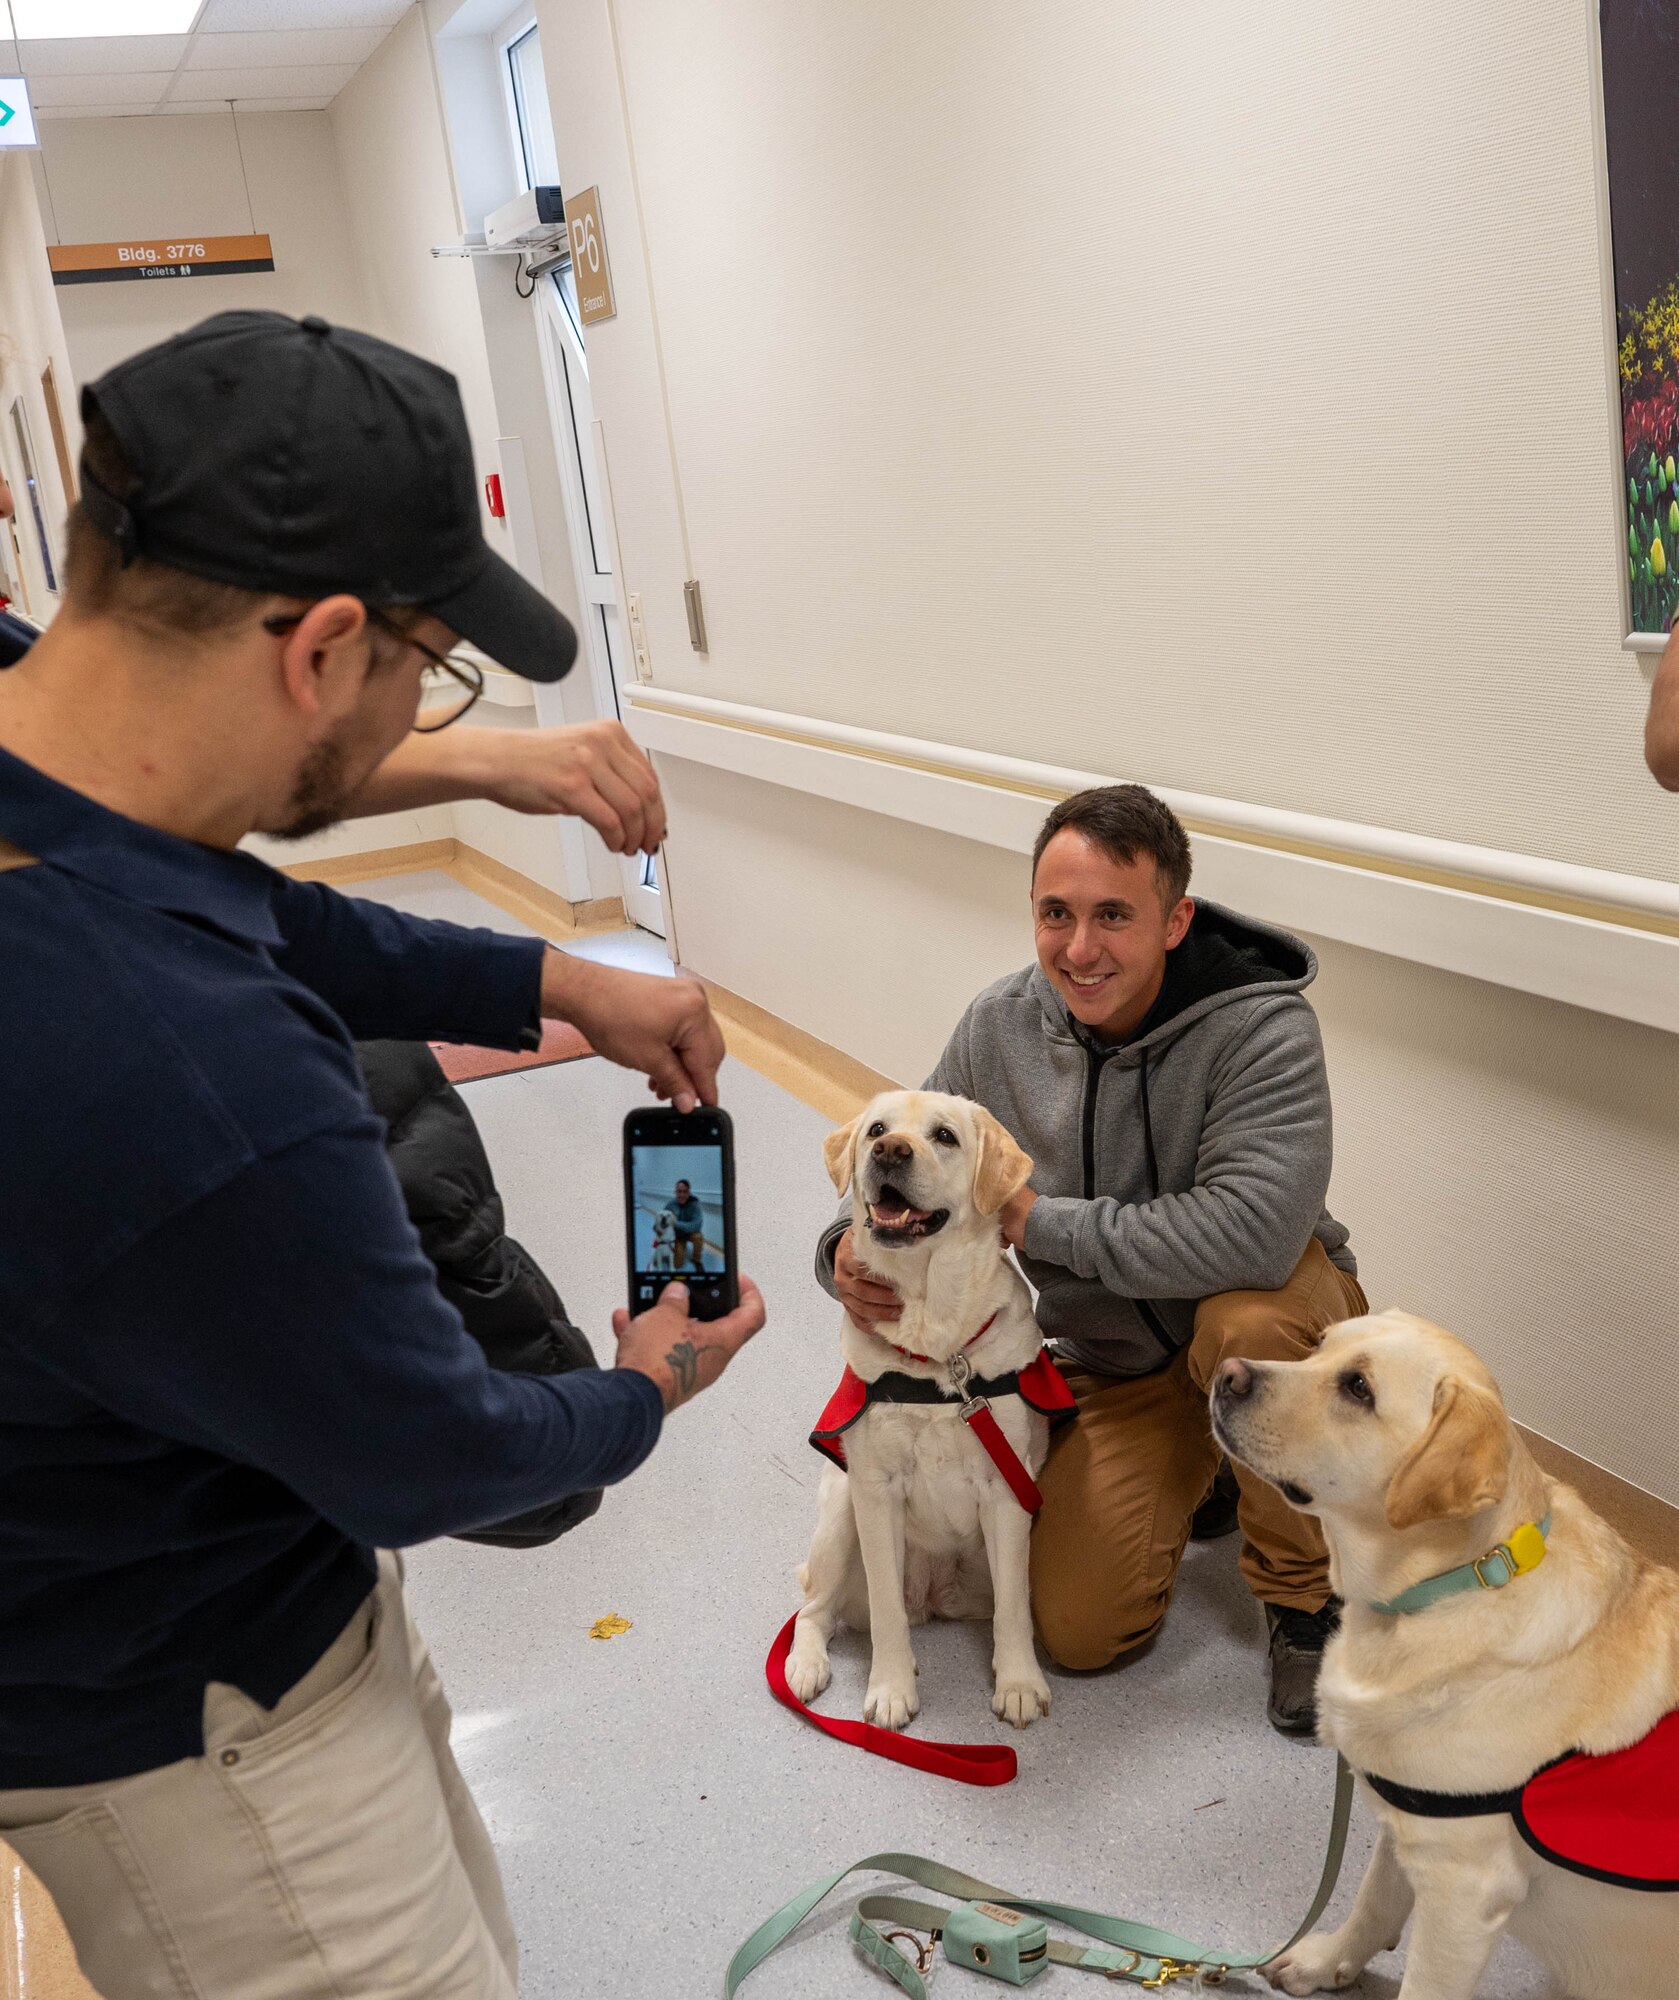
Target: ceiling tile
323, 81
227, 16
108, 55
143, 87
8, 57
301, 46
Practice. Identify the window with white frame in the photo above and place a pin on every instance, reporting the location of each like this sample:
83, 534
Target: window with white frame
538, 156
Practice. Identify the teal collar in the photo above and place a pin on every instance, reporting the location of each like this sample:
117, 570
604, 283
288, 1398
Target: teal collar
1524, 1551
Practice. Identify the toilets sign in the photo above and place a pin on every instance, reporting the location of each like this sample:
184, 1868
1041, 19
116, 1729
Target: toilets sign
160, 257
17, 116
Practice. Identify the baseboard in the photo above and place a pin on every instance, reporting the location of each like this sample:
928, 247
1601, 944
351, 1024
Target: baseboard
813, 1071
517, 894
339, 870
543, 909
1649, 1523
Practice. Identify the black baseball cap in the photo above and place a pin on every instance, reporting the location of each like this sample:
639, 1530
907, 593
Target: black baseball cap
305, 459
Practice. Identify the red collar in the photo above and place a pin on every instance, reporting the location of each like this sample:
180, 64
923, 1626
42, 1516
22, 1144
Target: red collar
932, 1360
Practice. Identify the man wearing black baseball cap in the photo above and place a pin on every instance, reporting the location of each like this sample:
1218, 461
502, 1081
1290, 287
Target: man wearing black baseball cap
226, 1372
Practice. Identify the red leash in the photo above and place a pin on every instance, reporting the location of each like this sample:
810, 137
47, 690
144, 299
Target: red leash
967, 1763
978, 1418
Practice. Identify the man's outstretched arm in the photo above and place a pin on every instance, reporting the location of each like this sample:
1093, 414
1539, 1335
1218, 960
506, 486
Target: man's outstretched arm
595, 771
389, 975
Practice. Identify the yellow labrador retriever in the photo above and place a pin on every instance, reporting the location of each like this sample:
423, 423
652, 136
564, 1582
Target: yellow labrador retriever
1444, 1683
920, 1522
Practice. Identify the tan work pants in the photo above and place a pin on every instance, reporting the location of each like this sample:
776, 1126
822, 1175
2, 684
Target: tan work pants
1122, 1482
325, 1846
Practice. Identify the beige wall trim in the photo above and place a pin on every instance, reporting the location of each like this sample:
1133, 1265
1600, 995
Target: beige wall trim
813, 1071
1650, 1524
1591, 938
517, 894
338, 870
1637, 902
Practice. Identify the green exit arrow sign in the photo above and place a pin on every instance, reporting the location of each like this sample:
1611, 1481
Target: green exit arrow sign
17, 117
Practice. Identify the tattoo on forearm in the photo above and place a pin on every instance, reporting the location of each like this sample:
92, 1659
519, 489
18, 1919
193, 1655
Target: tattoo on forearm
683, 1361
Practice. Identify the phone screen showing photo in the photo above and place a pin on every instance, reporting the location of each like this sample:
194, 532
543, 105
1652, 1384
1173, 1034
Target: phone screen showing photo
680, 1220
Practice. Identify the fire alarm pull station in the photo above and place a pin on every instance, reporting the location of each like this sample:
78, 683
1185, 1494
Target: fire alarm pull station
492, 496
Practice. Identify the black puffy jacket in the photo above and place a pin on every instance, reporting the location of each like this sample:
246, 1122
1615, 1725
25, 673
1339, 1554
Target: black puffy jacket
499, 1289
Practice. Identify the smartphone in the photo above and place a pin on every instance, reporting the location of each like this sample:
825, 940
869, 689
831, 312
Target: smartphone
679, 1204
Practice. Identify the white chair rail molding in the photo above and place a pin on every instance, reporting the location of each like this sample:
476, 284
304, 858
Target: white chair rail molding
1588, 936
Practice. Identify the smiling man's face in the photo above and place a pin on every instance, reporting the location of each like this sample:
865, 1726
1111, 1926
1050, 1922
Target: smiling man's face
1103, 931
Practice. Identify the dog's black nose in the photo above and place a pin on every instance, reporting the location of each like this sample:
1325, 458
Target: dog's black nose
1234, 1378
891, 1151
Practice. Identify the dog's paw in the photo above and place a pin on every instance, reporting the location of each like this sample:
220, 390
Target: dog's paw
808, 1674
890, 1707
1317, 1965
1021, 1700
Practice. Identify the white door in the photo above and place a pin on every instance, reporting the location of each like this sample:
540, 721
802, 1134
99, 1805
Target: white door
602, 641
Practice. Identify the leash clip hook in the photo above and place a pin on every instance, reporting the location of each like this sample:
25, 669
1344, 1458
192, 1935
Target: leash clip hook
926, 1957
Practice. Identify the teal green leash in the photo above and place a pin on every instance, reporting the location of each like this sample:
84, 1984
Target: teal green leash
986, 1941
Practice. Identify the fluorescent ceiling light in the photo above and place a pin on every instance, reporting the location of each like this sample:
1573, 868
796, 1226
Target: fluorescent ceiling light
60, 20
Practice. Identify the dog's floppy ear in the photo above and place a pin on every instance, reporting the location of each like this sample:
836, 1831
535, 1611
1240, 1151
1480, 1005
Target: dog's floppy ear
1002, 1169
1459, 1465
837, 1151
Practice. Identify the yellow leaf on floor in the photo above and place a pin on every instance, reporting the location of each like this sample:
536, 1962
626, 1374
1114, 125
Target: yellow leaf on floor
608, 1627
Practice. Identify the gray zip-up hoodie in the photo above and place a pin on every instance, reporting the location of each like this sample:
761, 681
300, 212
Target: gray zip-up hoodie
1190, 1160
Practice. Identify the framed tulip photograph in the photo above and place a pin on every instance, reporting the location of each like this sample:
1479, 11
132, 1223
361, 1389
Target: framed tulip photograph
1640, 68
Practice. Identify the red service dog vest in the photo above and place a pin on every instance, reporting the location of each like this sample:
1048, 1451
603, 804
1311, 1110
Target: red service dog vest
1613, 1817
1041, 1386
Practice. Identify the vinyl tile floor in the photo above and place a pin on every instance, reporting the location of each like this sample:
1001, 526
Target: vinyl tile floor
651, 1804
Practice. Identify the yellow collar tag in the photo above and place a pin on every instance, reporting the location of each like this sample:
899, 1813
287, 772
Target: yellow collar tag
1527, 1547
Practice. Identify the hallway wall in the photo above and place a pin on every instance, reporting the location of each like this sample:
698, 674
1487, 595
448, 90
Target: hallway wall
1219, 399
150, 177
31, 340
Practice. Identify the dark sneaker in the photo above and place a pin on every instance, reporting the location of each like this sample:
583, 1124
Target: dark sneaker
1216, 1515
1297, 1642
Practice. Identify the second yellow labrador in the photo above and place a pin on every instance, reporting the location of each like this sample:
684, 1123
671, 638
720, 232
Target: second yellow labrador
1395, 1437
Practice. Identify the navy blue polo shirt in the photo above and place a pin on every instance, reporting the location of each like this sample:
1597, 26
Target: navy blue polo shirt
226, 1372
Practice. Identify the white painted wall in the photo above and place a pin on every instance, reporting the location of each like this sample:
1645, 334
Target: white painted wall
149, 177
1216, 397
399, 199
1224, 390
31, 337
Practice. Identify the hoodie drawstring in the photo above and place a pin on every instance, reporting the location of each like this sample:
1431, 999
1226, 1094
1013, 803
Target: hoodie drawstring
1148, 1126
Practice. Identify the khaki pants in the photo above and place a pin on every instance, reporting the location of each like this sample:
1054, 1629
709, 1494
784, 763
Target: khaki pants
1122, 1482
326, 1846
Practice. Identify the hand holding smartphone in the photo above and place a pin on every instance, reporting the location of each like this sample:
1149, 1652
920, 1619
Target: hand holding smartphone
679, 1202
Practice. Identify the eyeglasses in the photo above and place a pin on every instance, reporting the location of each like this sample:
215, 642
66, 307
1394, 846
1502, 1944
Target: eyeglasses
467, 675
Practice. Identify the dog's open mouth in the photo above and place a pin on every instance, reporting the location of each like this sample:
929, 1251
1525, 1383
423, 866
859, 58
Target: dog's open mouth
892, 1219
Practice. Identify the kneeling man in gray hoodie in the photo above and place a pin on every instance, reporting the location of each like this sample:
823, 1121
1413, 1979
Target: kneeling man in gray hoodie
1163, 1068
